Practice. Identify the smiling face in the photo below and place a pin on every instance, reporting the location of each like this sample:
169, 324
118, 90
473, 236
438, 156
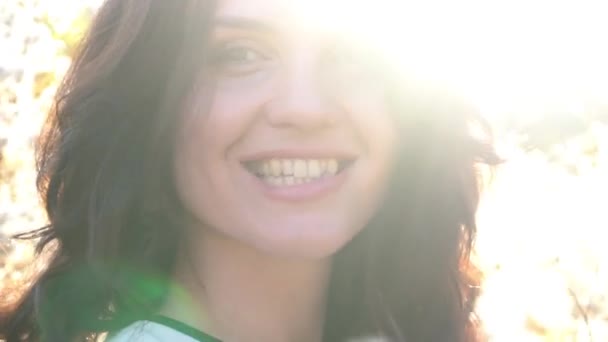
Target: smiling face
286, 144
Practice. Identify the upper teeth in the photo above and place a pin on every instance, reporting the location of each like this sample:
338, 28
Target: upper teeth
297, 168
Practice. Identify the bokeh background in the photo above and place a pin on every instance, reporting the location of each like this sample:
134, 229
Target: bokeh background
542, 82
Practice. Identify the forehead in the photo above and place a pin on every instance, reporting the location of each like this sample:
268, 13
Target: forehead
317, 15
303, 10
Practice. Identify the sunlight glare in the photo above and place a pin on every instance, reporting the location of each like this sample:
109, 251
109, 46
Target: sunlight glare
506, 56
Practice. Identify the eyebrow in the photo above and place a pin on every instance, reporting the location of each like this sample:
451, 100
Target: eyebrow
244, 23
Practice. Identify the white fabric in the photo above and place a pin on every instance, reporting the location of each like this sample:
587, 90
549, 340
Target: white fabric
146, 331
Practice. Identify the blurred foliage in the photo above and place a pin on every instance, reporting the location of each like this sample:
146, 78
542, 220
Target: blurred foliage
542, 222
37, 39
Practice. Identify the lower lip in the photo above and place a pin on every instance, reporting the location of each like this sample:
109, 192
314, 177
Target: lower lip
302, 192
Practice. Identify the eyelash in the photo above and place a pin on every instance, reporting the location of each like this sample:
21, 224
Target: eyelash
238, 58
227, 54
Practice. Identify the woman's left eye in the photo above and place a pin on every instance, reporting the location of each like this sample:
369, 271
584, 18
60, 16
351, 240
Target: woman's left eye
351, 62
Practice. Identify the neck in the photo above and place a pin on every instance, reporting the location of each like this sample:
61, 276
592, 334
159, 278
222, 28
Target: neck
242, 294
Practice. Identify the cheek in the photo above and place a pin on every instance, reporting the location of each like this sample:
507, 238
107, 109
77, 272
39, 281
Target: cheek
211, 185
207, 129
215, 119
224, 120
203, 168
376, 126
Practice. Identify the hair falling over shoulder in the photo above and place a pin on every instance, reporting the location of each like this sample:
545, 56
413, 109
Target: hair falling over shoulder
108, 141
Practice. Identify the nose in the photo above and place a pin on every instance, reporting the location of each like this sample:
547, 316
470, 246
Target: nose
300, 101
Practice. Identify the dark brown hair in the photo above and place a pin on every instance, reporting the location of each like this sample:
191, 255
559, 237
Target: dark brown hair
104, 159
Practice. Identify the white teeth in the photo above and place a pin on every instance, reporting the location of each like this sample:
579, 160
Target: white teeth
314, 169
287, 167
276, 167
323, 165
276, 181
295, 171
332, 166
265, 169
299, 168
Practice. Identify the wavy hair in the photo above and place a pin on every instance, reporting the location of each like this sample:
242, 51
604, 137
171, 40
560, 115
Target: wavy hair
105, 155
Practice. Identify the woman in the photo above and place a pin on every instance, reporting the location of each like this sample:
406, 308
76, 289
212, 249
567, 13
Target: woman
226, 171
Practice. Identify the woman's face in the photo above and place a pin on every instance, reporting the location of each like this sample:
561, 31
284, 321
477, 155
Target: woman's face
286, 144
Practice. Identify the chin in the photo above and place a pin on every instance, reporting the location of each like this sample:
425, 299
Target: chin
311, 250
305, 244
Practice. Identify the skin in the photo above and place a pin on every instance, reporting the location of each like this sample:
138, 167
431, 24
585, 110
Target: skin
257, 260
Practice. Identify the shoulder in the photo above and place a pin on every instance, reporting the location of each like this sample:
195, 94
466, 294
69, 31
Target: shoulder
147, 331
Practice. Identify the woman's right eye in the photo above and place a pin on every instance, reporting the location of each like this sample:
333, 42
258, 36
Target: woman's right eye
238, 59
